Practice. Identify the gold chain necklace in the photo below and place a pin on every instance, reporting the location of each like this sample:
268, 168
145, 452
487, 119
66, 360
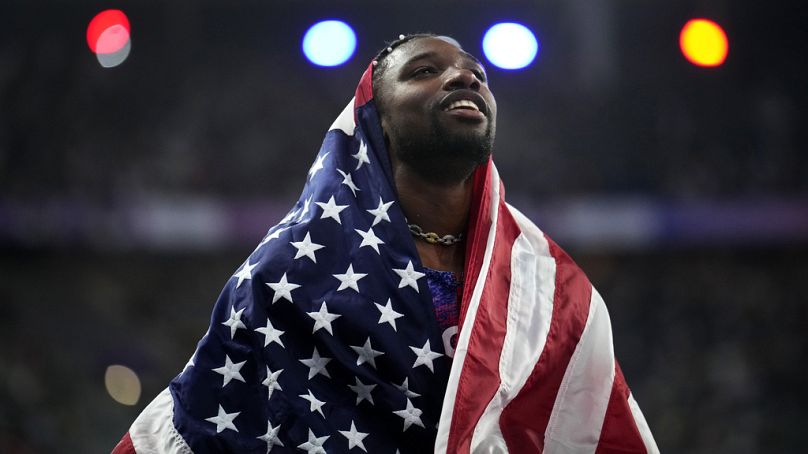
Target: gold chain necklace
434, 238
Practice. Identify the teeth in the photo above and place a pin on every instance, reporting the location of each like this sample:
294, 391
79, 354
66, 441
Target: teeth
463, 103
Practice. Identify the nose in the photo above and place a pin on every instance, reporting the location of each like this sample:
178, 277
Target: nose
460, 78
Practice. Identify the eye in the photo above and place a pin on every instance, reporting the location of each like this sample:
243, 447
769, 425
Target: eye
424, 71
479, 74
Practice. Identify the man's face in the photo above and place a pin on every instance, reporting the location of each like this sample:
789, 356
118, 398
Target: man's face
436, 109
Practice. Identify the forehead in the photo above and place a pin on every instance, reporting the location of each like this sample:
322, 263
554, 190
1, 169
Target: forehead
431, 47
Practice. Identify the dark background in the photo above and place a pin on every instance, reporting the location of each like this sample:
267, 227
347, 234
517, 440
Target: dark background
129, 195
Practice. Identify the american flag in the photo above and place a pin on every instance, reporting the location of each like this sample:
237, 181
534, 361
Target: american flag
325, 339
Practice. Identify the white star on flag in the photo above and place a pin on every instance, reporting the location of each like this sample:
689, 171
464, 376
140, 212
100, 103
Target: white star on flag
271, 437
362, 391
354, 437
307, 248
318, 165
409, 276
230, 371
272, 236
315, 404
425, 356
411, 416
245, 273
361, 155
331, 210
283, 289
271, 382
388, 315
234, 322
305, 210
224, 420
315, 444
271, 334
369, 238
289, 216
349, 279
366, 354
348, 181
380, 212
323, 319
316, 364
405, 388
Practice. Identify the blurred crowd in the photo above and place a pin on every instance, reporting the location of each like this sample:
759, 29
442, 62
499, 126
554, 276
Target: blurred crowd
216, 104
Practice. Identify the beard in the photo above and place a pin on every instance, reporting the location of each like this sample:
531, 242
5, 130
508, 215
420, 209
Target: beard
443, 156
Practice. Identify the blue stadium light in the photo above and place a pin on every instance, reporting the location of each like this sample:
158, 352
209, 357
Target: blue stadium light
509, 45
329, 43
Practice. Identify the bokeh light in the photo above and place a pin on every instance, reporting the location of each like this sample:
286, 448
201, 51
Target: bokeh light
122, 384
703, 42
98, 37
329, 43
509, 45
115, 58
113, 39
108, 36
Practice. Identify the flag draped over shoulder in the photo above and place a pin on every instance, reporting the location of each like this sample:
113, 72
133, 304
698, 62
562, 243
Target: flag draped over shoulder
325, 339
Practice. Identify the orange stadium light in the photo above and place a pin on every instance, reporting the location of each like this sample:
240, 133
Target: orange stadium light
704, 43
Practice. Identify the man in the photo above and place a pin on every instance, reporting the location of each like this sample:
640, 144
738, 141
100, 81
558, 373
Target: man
340, 331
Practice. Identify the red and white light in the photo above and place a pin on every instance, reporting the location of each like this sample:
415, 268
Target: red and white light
108, 36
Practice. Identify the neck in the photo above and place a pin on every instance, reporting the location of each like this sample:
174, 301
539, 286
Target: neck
440, 208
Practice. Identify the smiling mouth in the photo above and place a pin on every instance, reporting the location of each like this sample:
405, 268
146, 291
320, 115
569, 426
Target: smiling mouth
466, 110
462, 104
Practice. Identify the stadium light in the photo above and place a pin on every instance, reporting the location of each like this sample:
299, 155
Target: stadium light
704, 43
509, 45
329, 43
108, 36
122, 384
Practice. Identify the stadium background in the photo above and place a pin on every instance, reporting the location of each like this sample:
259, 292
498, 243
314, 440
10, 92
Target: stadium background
129, 195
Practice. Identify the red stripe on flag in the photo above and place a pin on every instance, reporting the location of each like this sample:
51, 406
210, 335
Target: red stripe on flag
124, 446
619, 434
524, 420
364, 91
479, 379
479, 224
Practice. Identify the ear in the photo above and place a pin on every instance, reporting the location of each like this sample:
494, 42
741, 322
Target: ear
384, 123
377, 100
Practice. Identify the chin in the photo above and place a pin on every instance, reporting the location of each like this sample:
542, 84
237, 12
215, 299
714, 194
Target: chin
446, 153
446, 160
473, 151
474, 146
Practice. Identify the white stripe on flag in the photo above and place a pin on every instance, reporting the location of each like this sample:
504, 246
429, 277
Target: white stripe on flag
345, 120
642, 426
447, 410
580, 406
530, 310
153, 431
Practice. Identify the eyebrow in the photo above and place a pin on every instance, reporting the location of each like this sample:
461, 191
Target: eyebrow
472, 58
431, 54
